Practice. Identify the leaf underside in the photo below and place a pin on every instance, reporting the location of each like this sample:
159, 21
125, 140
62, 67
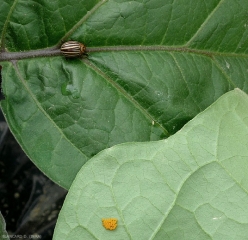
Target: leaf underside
193, 185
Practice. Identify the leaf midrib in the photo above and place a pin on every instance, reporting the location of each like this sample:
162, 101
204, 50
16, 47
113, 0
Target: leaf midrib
49, 52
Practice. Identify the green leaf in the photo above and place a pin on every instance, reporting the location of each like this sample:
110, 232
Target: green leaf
151, 67
193, 185
3, 232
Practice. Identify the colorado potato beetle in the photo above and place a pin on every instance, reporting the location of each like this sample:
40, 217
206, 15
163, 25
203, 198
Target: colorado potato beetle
72, 49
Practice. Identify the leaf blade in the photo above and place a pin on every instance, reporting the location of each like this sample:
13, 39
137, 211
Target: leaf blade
157, 188
151, 74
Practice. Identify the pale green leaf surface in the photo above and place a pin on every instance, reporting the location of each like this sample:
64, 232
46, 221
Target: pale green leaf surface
3, 232
151, 67
193, 185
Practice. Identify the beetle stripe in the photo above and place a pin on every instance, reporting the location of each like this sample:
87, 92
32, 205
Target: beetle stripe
72, 49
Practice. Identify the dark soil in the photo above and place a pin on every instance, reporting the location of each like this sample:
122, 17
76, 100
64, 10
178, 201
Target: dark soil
30, 202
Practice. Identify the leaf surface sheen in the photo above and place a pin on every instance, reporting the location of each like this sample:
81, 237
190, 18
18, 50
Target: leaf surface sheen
192, 185
151, 67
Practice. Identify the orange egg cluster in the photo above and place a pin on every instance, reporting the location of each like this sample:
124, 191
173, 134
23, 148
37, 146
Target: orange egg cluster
109, 223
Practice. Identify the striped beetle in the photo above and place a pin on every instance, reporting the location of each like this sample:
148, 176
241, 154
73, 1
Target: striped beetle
72, 49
